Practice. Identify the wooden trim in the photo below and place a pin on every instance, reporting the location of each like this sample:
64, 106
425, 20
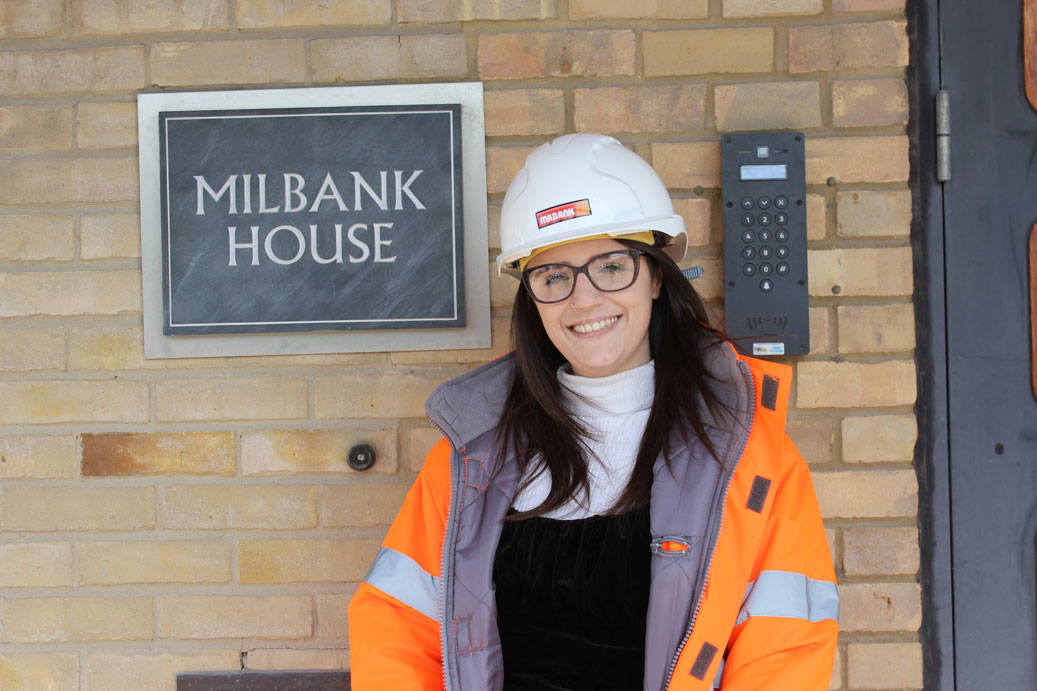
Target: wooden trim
1030, 50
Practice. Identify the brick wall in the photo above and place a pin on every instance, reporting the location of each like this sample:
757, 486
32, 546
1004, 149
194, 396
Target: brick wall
165, 515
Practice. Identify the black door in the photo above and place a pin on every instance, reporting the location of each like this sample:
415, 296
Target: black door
989, 209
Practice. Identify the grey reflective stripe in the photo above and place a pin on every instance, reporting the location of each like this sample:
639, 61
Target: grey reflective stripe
791, 595
396, 574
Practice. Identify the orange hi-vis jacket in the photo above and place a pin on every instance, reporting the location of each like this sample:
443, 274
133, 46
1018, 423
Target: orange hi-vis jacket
742, 592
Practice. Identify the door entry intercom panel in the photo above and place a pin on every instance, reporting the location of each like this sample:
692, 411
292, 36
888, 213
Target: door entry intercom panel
765, 242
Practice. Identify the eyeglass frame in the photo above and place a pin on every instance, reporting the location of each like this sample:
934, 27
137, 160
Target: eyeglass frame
577, 270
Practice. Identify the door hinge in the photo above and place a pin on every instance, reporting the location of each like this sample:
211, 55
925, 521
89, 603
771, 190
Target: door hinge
943, 135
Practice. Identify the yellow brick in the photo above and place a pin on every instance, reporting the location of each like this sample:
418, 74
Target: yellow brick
874, 213
441, 11
28, 238
32, 348
158, 453
374, 395
317, 360
181, 561
765, 8
820, 330
502, 163
880, 551
860, 45
122, 347
502, 289
884, 271
524, 111
880, 607
647, 9
235, 616
39, 671
277, 61
40, 402
422, 440
524, 55
867, 5
866, 102
697, 214
298, 658
109, 235
493, 212
39, 457
857, 159
129, 671
77, 508
641, 108
767, 105
314, 451
867, 494
35, 565
35, 128
69, 293
53, 619
304, 561
686, 165
702, 51
22, 18
817, 221
107, 125
855, 384
408, 56
265, 14
219, 507
362, 503
885, 665
711, 285
48, 72
331, 616
206, 399
129, 16
68, 180
813, 436
876, 328
499, 333
879, 438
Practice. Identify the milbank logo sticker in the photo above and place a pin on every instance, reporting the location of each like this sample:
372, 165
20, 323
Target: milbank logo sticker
563, 212
768, 348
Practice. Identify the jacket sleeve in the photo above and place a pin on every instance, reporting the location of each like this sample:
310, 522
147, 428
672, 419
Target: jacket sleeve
786, 631
394, 634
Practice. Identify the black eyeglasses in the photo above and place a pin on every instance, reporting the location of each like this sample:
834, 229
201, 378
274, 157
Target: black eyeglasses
608, 272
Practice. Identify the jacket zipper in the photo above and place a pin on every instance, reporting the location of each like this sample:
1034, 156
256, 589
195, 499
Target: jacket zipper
715, 535
447, 538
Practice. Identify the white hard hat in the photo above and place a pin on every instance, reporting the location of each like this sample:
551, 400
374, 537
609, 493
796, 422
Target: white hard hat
580, 186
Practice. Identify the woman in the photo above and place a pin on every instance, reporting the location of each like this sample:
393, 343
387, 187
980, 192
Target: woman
615, 504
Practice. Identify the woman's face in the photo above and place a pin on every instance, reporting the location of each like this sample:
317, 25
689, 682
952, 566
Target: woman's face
599, 333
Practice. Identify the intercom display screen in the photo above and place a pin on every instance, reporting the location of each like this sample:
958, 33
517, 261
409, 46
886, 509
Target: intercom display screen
771, 171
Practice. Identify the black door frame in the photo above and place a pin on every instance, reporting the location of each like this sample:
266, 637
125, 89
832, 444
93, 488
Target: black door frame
932, 452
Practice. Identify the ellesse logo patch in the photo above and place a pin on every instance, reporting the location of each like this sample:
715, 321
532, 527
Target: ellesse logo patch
563, 212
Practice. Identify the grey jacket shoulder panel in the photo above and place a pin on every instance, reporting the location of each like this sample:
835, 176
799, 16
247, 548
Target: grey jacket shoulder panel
469, 405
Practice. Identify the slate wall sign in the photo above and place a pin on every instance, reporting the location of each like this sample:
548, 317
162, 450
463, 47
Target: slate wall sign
320, 216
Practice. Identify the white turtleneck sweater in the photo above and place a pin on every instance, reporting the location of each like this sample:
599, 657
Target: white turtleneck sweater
614, 410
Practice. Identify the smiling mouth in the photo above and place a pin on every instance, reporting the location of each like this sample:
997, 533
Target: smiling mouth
594, 326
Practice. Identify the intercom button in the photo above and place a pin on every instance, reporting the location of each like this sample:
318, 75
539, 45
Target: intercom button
749, 269
782, 235
782, 252
764, 202
766, 269
781, 203
765, 236
766, 285
782, 269
764, 219
747, 203
748, 253
748, 219
765, 252
781, 218
748, 236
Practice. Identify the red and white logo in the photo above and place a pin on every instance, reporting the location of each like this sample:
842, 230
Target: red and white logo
563, 212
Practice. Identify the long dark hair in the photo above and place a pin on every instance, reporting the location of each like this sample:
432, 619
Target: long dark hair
536, 426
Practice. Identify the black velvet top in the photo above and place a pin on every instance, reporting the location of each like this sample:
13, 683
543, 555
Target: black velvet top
571, 602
